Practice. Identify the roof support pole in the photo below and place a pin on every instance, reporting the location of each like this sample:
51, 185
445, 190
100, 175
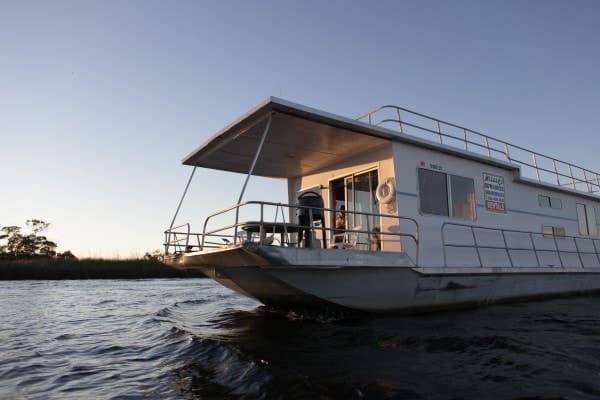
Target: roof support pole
260, 145
258, 150
182, 197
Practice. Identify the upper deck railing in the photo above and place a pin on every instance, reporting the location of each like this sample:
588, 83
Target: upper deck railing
533, 164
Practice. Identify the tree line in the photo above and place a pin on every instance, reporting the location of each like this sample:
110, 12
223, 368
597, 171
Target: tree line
14, 242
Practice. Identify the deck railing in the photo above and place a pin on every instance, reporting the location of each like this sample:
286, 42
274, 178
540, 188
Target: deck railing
267, 223
515, 246
535, 165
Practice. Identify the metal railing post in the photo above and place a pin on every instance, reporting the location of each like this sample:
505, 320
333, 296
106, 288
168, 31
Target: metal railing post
399, 120
556, 172
507, 250
444, 245
596, 250
578, 253
534, 250
187, 238
558, 251
311, 227
476, 246
368, 234
261, 228
572, 177
589, 188
537, 170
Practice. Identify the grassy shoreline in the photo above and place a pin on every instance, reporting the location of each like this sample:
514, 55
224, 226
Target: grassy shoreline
44, 268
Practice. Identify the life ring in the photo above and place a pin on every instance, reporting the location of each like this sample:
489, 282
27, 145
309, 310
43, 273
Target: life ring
386, 192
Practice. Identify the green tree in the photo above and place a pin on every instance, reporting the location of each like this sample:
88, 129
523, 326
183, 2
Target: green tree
14, 239
18, 244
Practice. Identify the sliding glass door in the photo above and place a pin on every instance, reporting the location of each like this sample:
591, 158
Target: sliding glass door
358, 196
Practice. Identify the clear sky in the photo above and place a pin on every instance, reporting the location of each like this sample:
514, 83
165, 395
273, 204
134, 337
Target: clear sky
100, 101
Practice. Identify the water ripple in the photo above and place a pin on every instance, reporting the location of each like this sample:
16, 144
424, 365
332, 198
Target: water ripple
193, 339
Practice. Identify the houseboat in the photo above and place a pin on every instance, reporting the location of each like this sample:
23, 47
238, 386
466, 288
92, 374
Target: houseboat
394, 211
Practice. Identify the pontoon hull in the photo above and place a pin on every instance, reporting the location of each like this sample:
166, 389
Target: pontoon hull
283, 277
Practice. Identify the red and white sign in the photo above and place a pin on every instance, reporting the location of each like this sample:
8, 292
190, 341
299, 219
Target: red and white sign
494, 193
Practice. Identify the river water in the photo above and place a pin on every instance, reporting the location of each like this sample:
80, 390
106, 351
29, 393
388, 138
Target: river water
193, 339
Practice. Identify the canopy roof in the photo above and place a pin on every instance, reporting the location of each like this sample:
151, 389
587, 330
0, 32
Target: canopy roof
300, 141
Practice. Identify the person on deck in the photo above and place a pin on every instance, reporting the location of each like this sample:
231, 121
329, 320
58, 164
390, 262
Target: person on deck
340, 224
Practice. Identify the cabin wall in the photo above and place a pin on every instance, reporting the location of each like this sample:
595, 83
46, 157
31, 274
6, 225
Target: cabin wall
523, 212
381, 159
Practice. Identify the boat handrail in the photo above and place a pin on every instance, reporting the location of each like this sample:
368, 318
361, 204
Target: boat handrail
172, 232
536, 250
546, 168
204, 238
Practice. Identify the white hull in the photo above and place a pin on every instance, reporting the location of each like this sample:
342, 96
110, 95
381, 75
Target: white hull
288, 277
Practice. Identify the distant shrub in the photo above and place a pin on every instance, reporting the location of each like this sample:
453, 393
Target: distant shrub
49, 268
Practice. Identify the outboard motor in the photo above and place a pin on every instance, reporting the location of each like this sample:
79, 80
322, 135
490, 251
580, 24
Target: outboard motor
314, 205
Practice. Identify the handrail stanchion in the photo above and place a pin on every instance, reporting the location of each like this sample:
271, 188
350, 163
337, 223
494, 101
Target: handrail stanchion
368, 234
187, 238
417, 239
261, 228
399, 120
466, 140
311, 227
587, 183
444, 245
537, 170
578, 253
558, 251
487, 145
507, 249
537, 258
596, 250
476, 246
557, 174
572, 177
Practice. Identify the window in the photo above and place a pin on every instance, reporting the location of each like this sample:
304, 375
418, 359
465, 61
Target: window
549, 202
433, 192
586, 216
446, 195
462, 197
558, 231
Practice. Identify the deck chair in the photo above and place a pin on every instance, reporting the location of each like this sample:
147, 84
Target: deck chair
349, 239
